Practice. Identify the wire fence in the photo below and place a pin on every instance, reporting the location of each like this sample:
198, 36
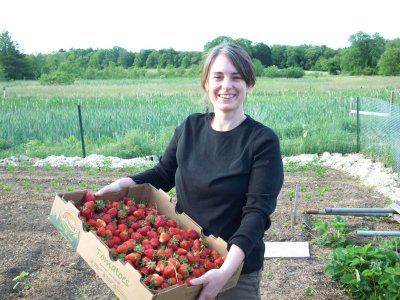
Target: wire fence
378, 129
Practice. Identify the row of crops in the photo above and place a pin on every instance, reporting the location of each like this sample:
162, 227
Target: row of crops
134, 118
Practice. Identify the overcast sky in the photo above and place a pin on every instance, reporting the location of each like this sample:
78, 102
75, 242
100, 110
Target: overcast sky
45, 26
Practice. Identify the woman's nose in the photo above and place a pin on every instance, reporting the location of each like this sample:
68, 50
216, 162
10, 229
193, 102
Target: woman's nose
226, 82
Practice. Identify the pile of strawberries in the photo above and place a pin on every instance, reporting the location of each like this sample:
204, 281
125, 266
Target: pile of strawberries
164, 253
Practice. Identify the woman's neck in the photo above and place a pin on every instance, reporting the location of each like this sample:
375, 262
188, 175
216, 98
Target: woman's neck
226, 122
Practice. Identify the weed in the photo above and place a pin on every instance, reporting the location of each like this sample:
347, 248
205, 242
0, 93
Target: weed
6, 187
47, 168
25, 184
308, 197
11, 168
38, 187
21, 280
309, 291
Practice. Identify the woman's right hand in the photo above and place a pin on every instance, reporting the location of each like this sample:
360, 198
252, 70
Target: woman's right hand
116, 186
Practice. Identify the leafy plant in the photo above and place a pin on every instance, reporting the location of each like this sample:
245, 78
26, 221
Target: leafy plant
309, 291
291, 193
367, 272
321, 191
26, 184
334, 233
38, 187
22, 279
11, 168
308, 197
6, 187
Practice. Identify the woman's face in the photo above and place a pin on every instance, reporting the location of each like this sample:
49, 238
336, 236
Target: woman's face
225, 86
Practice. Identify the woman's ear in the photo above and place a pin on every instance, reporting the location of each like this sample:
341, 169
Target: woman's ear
206, 86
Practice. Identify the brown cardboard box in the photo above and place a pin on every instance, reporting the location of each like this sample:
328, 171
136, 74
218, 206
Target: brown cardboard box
122, 278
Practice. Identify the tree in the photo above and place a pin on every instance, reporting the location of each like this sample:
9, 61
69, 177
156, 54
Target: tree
278, 54
15, 64
363, 55
389, 63
2, 73
263, 53
216, 42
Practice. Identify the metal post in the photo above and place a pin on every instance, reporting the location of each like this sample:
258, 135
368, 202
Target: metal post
81, 128
358, 125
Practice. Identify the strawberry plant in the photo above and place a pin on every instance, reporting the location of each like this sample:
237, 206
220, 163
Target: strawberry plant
334, 233
367, 272
136, 233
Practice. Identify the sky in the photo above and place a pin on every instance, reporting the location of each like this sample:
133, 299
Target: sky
45, 26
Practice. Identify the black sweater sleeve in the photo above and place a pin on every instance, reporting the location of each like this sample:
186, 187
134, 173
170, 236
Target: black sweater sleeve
266, 179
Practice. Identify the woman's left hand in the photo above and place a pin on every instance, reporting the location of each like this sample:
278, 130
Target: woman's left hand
213, 281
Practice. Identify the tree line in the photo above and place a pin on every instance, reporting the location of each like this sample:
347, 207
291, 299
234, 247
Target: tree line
367, 55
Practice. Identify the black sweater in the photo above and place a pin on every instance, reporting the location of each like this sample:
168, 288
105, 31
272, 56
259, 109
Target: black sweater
228, 182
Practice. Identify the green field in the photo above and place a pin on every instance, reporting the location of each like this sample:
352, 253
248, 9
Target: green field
130, 118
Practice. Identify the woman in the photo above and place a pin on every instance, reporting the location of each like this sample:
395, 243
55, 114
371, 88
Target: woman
227, 170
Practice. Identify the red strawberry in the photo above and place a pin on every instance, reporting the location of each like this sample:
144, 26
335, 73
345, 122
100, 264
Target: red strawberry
89, 197
122, 249
113, 212
164, 238
107, 218
184, 270
181, 251
100, 223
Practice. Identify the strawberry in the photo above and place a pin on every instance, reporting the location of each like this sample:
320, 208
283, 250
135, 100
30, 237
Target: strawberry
113, 212
89, 197
192, 234
154, 281
133, 258
149, 252
100, 223
181, 251
209, 265
184, 270
159, 221
219, 261
169, 271
101, 231
122, 249
164, 238
106, 218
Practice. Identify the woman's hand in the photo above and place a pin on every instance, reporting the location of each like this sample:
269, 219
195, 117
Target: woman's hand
115, 187
214, 280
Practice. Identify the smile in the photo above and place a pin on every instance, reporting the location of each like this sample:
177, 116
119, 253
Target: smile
224, 96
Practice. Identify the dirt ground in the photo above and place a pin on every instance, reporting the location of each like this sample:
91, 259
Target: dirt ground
28, 242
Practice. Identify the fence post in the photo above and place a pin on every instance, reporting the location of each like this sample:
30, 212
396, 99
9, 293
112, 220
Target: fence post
81, 128
391, 102
358, 125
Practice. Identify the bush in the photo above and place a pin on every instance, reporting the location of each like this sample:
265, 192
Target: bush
293, 72
55, 78
272, 72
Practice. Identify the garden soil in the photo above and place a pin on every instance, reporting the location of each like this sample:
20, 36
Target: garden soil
28, 242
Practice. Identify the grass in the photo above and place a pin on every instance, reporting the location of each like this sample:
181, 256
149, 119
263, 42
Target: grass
130, 118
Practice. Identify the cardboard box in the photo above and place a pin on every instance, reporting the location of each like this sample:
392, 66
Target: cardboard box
122, 278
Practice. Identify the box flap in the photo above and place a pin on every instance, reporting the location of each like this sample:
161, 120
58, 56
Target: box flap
65, 218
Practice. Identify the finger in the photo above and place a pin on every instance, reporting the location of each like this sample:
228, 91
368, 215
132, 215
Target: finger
196, 281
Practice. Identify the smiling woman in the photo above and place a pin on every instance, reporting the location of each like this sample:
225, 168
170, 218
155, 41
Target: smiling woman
227, 170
